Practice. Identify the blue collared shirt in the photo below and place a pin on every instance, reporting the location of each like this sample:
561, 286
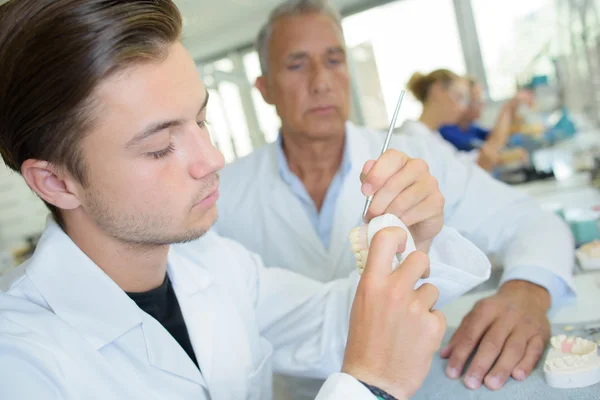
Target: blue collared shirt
322, 221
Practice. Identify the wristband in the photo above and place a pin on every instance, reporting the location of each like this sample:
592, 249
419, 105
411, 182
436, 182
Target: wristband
379, 394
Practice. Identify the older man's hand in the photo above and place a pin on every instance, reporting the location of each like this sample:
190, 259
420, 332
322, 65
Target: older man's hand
507, 332
403, 186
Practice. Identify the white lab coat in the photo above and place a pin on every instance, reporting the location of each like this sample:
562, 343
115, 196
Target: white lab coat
418, 129
259, 210
500, 220
67, 331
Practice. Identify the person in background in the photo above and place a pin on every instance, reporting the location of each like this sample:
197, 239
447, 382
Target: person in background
468, 136
451, 104
302, 193
127, 295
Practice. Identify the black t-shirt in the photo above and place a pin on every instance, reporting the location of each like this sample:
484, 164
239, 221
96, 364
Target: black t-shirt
161, 303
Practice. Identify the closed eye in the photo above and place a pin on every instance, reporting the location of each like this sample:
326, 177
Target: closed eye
162, 153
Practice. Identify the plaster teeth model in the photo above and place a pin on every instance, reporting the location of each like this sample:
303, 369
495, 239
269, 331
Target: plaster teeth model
572, 362
361, 236
591, 249
588, 255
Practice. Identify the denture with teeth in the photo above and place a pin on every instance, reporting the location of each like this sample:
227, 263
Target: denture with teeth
572, 362
361, 236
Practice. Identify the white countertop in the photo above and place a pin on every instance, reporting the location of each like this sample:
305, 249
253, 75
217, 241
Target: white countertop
549, 186
572, 193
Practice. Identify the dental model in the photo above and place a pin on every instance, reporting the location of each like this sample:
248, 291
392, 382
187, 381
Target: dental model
361, 236
588, 255
591, 249
572, 362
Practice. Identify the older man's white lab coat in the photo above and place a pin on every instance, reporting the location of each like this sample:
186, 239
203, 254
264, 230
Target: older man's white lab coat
67, 331
258, 209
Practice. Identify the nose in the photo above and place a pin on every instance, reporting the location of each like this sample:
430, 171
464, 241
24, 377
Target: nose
204, 158
321, 79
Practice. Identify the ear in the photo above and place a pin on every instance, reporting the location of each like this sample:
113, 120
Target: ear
53, 187
262, 84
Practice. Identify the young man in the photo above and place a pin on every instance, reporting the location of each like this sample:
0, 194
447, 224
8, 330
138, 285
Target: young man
103, 113
300, 192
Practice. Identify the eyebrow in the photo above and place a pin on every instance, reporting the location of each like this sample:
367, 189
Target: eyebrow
336, 50
157, 127
299, 55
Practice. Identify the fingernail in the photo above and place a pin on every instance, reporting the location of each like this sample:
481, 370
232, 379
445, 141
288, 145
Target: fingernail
368, 166
493, 382
519, 375
472, 383
367, 189
452, 373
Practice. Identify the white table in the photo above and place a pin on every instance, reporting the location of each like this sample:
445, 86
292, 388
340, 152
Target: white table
537, 188
572, 193
438, 387
585, 308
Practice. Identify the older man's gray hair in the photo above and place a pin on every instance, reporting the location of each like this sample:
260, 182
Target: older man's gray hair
286, 9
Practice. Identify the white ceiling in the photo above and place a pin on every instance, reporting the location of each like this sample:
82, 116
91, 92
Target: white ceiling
212, 27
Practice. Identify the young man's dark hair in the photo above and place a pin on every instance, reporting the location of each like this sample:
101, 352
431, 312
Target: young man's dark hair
49, 71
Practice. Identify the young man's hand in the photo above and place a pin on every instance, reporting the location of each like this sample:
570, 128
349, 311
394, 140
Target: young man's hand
393, 332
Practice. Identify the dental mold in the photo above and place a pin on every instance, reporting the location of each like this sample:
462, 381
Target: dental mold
572, 362
361, 236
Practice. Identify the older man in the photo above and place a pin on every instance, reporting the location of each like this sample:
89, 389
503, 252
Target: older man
295, 201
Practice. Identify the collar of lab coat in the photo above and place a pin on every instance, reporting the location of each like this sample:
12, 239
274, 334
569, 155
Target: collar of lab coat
419, 129
354, 149
284, 169
81, 294
416, 127
348, 213
422, 131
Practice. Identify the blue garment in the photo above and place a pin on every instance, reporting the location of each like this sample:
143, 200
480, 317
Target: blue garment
321, 221
467, 140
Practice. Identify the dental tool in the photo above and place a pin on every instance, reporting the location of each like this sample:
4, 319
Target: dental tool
385, 147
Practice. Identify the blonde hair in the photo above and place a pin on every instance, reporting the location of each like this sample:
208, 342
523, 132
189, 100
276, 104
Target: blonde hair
419, 84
